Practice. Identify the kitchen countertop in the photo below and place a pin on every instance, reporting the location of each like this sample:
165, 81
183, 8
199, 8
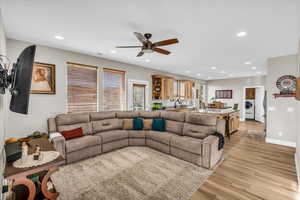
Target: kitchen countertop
216, 111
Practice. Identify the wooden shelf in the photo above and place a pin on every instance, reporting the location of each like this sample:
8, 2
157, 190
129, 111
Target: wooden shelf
284, 95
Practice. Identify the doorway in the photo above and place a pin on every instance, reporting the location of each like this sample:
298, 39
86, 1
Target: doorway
138, 95
139, 91
254, 103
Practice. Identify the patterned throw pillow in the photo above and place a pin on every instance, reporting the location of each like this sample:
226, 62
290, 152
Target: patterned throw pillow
127, 124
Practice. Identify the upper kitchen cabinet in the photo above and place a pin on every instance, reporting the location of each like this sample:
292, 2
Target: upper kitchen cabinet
185, 89
162, 87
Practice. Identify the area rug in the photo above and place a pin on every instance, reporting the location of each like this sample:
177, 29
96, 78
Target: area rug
132, 173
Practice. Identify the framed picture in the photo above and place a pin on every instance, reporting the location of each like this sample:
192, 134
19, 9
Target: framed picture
43, 78
223, 94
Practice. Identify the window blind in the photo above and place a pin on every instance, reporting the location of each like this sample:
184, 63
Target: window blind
82, 88
113, 90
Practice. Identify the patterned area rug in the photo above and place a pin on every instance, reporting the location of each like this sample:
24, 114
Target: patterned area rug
132, 173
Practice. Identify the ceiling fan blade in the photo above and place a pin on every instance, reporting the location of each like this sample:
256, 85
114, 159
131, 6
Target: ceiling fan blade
128, 46
140, 37
159, 50
140, 54
166, 42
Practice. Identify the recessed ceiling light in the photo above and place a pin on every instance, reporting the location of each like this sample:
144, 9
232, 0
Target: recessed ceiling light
241, 34
187, 71
222, 72
253, 68
59, 37
248, 63
198, 74
147, 60
213, 68
113, 51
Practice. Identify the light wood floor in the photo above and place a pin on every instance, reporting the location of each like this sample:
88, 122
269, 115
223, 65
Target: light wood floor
252, 169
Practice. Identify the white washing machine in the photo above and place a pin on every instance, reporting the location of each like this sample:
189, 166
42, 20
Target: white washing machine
250, 109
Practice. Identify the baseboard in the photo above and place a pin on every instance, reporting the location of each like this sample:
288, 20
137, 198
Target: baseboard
297, 170
281, 142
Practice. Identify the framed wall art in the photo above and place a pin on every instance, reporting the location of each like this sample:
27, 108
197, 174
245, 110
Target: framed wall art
223, 94
43, 78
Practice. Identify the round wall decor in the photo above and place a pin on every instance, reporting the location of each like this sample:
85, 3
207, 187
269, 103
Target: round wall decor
286, 84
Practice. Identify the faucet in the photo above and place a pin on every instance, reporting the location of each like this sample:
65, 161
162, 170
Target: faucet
178, 100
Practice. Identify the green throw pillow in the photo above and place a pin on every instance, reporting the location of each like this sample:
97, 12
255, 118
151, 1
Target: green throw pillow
138, 123
159, 124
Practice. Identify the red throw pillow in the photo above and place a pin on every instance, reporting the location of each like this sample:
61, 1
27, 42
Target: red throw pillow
70, 134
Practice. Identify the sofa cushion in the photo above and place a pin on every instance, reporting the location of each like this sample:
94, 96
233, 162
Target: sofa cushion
86, 127
162, 137
68, 119
127, 114
174, 126
136, 134
138, 123
147, 124
113, 135
96, 116
127, 124
106, 125
77, 144
159, 124
189, 144
206, 120
175, 116
71, 134
149, 114
197, 131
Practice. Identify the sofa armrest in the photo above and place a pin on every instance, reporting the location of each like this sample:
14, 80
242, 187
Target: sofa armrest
51, 125
59, 144
221, 126
210, 152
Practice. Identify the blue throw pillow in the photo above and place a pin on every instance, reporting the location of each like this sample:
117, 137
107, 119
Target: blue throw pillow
159, 124
138, 123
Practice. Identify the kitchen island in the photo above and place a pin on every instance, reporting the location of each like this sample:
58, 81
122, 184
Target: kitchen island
231, 116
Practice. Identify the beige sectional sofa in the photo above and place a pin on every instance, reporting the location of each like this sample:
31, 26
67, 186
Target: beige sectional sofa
187, 136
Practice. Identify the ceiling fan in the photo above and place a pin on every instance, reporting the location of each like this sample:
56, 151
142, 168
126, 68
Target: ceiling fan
149, 47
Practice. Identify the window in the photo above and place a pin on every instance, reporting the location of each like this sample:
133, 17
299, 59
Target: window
82, 88
113, 90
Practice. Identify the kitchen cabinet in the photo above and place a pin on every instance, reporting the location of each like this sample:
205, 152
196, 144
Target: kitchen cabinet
234, 121
185, 88
250, 93
162, 87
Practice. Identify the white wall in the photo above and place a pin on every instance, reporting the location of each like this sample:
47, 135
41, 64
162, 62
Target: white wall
2, 129
45, 106
281, 114
236, 85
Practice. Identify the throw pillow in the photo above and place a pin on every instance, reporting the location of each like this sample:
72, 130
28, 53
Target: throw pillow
70, 134
127, 124
147, 124
138, 123
159, 124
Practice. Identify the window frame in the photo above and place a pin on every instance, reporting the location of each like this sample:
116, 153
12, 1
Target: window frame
104, 69
97, 83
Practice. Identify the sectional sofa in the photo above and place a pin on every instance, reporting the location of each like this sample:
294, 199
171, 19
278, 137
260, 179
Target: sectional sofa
187, 136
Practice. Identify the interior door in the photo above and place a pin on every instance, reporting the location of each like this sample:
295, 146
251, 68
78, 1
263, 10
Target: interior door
259, 104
